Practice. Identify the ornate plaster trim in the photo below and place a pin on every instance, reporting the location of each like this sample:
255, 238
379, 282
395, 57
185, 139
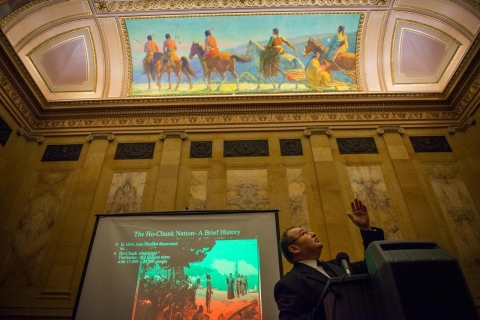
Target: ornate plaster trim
29, 137
390, 129
143, 5
463, 127
318, 130
101, 136
173, 134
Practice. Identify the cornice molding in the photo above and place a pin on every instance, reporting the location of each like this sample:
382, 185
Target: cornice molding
145, 6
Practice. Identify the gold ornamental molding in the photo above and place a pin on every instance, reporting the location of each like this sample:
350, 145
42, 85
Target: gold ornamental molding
144, 5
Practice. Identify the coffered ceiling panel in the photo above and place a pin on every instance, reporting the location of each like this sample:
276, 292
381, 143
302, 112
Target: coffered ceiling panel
24, 22
456, 13
423, 54
67, 61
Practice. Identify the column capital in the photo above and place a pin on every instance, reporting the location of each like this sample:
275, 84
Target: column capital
173, 134
468, 122
101, 136
22, 131
318, 130
390, 129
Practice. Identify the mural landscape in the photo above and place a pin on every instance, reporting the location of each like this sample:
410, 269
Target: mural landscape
244, 66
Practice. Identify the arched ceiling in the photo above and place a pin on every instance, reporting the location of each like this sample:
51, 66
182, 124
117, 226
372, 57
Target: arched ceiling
77, 62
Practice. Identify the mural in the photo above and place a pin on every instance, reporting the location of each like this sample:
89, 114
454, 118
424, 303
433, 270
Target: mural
243, 54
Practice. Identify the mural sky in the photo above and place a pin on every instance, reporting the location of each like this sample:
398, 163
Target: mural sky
233, 33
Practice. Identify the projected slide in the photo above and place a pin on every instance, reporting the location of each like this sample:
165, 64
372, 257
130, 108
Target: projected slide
185, 266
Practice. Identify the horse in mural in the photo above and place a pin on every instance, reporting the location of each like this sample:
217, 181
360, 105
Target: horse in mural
286, 63
220, 63
175, 65
345, 62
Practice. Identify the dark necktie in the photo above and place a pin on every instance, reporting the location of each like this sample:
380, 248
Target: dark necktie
323, 267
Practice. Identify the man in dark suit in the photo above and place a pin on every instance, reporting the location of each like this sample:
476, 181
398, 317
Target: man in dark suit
298, 291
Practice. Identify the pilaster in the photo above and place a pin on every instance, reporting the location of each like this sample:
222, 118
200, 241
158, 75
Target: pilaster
169, 169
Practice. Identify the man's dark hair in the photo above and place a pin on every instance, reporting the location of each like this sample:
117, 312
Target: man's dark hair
276, 31
167, 36
149, 37
284, 243
207, 33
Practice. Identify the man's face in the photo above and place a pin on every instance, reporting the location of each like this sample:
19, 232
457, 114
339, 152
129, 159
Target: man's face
305, 244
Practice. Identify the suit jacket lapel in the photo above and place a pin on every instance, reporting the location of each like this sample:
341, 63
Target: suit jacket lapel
310, 272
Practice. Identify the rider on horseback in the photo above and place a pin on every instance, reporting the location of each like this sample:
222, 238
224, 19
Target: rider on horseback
169, 49
339, 44
211, 49
149, 48
268, 59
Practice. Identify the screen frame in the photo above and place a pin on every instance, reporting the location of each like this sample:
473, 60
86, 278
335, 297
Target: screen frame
176, 214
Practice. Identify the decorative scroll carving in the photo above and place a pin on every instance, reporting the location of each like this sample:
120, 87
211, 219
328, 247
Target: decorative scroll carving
173, 134
356, 145
430, 144
245, 148
5, 132
141, 5
390, 129
101, 136
127, 151
470, 121
65, 152
291, 147
201, 149
318, 130
29, 137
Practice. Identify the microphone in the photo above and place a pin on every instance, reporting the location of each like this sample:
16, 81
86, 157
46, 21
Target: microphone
343, 259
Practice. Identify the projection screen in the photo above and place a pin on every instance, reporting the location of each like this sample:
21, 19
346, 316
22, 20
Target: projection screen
178, 265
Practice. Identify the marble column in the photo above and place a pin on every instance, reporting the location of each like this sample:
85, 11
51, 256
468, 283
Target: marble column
418, 223
76, 235
169, 169
334, 219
